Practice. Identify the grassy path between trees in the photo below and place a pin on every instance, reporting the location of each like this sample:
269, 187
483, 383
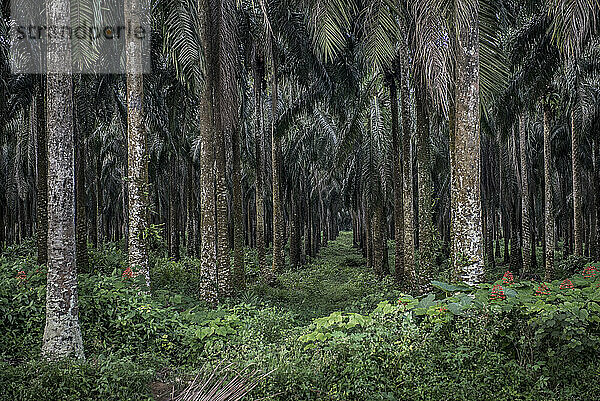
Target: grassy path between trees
337, 279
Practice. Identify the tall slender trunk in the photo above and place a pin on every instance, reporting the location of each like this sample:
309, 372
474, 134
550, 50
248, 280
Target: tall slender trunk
223, 262
42, 177
62, 335
378, 241
239, 272
498, 251
467, 238
227, 120
489, 237
137, 154
425, 185
258, 70
190, 210
208, 251
516, 259
278, 258
407, 179
308, 231
577, 205
294, 231
548, 193
99, 200
525, 197
173, 210
506, 233
316, 231
369, 234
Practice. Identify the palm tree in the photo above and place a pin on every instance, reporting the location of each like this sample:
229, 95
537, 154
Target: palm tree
548, 194
525, 195
573, 23
208, 253
224, 109
425, 184
398, 182
62, 335
278, 259
258, 75
467, 232
407, 173
137, 156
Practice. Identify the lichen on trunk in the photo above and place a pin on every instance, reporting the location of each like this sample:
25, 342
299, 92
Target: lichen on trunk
467, 235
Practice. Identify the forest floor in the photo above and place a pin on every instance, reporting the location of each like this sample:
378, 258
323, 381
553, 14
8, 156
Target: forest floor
330, 330
336, 279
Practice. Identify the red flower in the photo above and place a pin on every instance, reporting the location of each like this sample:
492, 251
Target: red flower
497, 293
403, 302
590, 272
542, 290
508, 278
21, 275
566, 284
128, 273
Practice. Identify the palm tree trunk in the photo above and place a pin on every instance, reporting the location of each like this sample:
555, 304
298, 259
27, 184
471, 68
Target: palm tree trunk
378, 248
506, 233
577, 205
308, 232
42, 178
137, 155
548, 193
489, 237
294, 231
467, 238
239, 272
62, 335
190, 211
369, 235
398, 183
525, 197
278, 259
425, 193
258, 68
498, 251
99, 200
208, 251
173, 211
223, 261
407, 179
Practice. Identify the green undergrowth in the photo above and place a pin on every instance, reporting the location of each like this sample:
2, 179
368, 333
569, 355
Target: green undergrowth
327, 331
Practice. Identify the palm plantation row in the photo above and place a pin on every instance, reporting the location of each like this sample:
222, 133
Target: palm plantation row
454, 128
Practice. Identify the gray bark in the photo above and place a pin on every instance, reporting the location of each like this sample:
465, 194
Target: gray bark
62, 335
525, 197
467, 235
137, 154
